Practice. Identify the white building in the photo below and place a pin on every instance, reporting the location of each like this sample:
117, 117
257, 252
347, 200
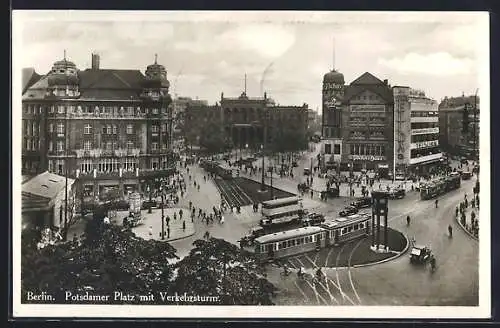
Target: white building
416, 131
44, 200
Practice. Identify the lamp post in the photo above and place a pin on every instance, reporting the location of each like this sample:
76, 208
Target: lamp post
272, 191
246, 149
162, 213
263, 185
149, 191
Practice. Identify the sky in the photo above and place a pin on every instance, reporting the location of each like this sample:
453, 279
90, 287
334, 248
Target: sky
285, 54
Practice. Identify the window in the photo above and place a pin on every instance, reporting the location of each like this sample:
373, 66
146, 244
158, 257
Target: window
60, 146
109, 129
87, 129
164, 127
87, 145
51, 127
349, 229
130, 110
104, 129
154, 129
60, 128
51, 146
60, 109
114, 129
109, 145
344, 231
33, 144
130, 145
356, 226
328, 148
154, 146
336, 149
155, 110
130, 129
361, 225
86, 166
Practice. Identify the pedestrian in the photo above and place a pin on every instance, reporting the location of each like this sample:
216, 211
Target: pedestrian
183, 225
312, 194
180, 213
168, 220
199, 213
175, 215
150, 231
221, 219
206, 235
198, 187
168, 232
190, 204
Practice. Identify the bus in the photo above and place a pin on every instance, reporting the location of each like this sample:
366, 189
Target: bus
281, 211
286, 243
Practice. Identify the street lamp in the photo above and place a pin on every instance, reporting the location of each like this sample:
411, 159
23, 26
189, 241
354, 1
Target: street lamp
149, 191
263, 185
246, 149
162, 213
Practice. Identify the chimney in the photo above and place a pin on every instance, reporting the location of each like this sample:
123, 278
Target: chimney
95, 61
386, 82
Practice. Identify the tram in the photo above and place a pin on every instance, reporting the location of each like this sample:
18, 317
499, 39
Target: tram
302, 240
216, 168
281, 211
440, 186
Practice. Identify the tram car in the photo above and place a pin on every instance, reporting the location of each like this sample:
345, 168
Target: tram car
342, 229
440, 186
312, 238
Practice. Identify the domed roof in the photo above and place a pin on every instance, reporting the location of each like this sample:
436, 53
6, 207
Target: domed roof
334, 76
64, 63
62, 79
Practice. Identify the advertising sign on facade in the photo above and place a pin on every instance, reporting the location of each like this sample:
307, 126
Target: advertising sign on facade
425, 144
424, 131
332, 86
366, 158
367, 108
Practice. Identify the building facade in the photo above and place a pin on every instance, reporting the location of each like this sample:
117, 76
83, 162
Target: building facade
332, 107
44, 201
452, 136
416, 131
109, 128
242, 122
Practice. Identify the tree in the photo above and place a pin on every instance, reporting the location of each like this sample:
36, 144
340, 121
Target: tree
213, 139
215, 267
109, 259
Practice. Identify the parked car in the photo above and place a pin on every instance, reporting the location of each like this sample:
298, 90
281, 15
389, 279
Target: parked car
348, 210
332, 192
254, 232
147, 204
397, 193
313, 219
362, 202
307, 171
466, 175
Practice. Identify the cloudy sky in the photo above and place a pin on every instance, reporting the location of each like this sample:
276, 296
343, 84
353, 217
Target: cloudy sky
286, 54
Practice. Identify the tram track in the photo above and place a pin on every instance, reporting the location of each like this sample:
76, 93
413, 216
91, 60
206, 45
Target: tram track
349, 271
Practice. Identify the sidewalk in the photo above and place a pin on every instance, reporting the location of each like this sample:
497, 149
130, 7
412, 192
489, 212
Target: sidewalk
468, 221
153, 223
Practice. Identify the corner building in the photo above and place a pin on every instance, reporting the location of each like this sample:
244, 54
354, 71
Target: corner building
108, 128
416, 131
367, 125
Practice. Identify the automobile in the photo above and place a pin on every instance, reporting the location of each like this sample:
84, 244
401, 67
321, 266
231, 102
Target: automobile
294, 164
397, 193
362, 202
464, 160
332, 192
420, 254
466, 175
302, 187
254, 232
146, 204
348, 210
313, 219
307, 171
226, 157
399, 177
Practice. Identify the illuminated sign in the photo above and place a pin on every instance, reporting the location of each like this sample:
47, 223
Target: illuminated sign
366, 158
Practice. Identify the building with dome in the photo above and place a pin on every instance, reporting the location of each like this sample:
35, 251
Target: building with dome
107, 128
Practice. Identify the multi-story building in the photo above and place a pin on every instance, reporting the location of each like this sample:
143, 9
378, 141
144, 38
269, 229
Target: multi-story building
416, 131
109, 128
452, 136
243, 121
331, 131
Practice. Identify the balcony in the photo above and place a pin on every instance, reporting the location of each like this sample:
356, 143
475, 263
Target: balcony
428, 158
